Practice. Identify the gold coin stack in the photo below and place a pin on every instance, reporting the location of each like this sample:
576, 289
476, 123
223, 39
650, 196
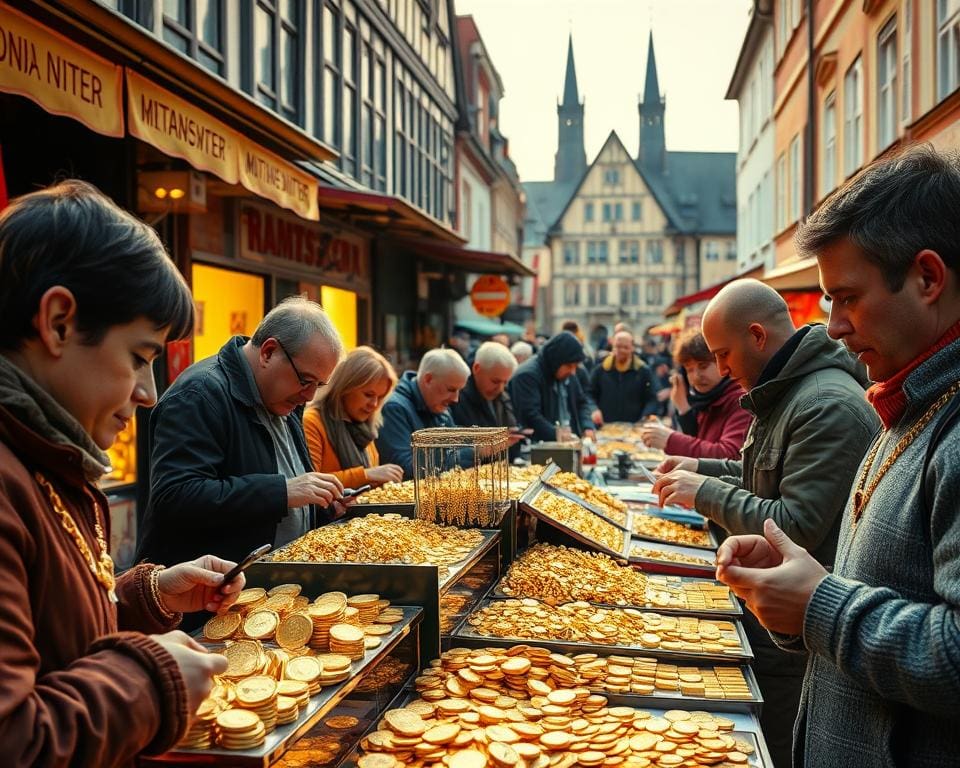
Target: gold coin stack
640, 551
305, 669
583, 521
560, 575
667, 530
605, 502
368, 608
297, 690
259, 694
383, 539
240, 729
389, 493
508, 718
336, 668
287, 710
346, 639
692, 595
326, 610
223, 626
582, 622
200, 733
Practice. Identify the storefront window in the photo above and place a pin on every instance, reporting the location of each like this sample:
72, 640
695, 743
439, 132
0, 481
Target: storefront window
341, 306
228, 303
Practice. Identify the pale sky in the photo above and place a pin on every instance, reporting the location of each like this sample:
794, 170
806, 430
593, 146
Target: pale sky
696, 44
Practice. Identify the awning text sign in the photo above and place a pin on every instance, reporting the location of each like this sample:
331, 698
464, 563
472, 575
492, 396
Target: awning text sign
59, 75
273, 178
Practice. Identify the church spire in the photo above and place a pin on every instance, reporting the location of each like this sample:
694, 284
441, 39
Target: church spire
571, 159
652, 153
571, 97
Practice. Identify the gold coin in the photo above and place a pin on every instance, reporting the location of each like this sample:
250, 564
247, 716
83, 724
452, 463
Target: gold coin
442, 733
223, 626
363, 600
285, 589
261, 624
378, 760
306, 669
256, 690
333, 662
346, 633
371, 642
243, 658
250, 596
405, 722
377, 629
342, 722
503, 754
294, 631
237, 720
468, 758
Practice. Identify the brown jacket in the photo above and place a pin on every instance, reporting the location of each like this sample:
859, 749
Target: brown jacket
73, 689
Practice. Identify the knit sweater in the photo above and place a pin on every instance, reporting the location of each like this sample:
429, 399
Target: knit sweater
883, 630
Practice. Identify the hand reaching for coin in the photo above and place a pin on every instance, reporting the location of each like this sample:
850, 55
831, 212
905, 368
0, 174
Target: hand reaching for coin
313, 488
197, 666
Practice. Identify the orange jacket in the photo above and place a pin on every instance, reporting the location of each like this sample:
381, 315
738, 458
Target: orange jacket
325, 459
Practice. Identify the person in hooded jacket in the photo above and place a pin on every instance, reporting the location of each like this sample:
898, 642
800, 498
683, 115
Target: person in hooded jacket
811, 428
545, 390
712, 423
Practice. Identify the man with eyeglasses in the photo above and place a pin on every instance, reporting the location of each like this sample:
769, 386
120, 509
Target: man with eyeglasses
229, 465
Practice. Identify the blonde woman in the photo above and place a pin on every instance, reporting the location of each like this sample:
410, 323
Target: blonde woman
342, 422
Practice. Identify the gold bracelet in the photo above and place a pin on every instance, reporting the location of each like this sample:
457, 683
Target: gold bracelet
155, 593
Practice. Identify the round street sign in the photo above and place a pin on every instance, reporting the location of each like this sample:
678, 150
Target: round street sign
490, 295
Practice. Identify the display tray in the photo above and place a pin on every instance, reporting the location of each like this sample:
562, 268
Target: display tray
553, 469
710, 546
280, 740
465, 635
527, 502
675, 700
734, 609
746, 723
672, 567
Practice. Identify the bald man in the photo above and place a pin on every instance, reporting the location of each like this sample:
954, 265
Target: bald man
810, 430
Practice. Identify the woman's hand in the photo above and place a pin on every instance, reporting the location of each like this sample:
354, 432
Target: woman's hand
385, 473
655, 435
196, 585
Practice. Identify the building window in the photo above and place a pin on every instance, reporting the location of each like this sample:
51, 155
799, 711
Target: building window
636, 210
618, 212
571, 294
629, 293
330, 98
796, 184
654, 252
906, 88
607, 212
712, 250
654, 293
828, 173
597, 252
853, 118
373, 119
571, 253
781, 192
629, 251
731, 250
948, 47
466, 210
588, 212
195, 28
611, 177
348, 156
276, 56
887, 84
597, 294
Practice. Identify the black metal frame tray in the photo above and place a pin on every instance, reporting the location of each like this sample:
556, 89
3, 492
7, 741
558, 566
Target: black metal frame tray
668, 566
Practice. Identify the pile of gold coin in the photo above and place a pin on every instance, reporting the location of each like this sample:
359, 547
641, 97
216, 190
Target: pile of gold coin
389, 493
258, 693
604, 502
638, 551
383, 539
347, 639
620, 430
501, 715
690, 594
667, 530
561, 575
200, 733
583, 521
585, 623
240, 729
606, 449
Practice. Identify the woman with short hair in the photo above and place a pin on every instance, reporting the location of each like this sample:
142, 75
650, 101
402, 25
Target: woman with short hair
88, 297
712, 423
342, 421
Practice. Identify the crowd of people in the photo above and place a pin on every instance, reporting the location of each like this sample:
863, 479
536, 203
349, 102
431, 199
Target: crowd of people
823, 455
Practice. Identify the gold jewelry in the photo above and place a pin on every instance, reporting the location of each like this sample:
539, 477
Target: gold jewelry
101, 567
157, 595
862, 494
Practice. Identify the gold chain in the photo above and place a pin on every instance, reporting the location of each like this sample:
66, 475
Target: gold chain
101, 567
862, 495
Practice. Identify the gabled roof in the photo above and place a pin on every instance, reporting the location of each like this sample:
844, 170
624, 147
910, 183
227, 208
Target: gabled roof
703, 187
545, 201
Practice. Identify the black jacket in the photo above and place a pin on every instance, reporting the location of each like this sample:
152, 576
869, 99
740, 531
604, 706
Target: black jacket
214, 483
473, 410
403, 414
534, 394
626, 396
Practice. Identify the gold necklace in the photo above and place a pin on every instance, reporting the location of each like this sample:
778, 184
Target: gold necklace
862, 494
101, 567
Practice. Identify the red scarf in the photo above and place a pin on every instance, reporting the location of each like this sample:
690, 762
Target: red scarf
888, 398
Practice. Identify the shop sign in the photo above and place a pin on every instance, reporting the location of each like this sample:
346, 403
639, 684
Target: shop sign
267, 235
58, 74
490, 295
273, 178
177, 128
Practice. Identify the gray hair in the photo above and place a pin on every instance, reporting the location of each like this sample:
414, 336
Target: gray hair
442, 361
522, 351
492, 353
293, 322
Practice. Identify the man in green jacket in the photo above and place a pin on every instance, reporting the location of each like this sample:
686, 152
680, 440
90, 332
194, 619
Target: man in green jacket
810, 430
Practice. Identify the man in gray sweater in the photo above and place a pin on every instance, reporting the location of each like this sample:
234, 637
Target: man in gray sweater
810, 430
883, 629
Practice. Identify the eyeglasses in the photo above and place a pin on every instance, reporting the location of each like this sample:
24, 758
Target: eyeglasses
305, 383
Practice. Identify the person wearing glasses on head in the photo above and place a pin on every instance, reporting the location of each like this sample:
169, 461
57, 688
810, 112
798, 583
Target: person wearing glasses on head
229, 464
